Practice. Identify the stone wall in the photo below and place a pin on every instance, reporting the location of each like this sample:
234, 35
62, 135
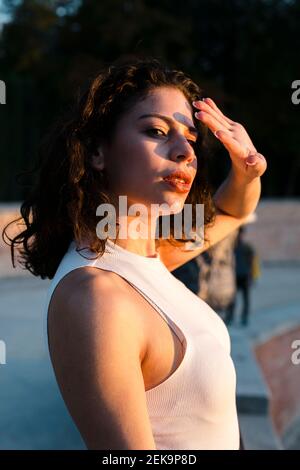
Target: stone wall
276, 231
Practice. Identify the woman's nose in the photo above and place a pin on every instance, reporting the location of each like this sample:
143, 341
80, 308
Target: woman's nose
183, 151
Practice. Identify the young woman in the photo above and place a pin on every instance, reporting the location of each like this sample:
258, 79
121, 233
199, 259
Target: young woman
141, 361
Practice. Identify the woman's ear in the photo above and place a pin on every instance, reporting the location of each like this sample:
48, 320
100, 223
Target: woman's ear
98, 159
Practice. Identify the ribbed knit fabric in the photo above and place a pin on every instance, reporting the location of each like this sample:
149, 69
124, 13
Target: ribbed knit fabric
195, 407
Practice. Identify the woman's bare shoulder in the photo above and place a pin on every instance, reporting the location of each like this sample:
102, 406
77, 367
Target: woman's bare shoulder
90, 282
91, 295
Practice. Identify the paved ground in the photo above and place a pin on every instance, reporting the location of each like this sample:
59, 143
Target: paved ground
275, 310
32, 413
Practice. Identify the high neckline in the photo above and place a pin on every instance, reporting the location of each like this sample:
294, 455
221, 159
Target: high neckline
130, 254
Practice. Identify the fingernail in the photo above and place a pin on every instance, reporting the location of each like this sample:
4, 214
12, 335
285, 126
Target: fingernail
251, 160
197, 115
216, 134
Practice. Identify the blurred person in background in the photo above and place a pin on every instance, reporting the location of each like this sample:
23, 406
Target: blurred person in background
217, 281
246, 271
188, 273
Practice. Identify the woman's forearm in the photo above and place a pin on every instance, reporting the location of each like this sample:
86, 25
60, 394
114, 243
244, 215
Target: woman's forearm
238, 197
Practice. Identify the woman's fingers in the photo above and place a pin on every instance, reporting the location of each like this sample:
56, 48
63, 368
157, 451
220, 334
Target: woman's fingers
215, 107
244, 156
231, 144
258, 165
255, 158
233, 135
241, 155
212, 105
212, 122
205, 108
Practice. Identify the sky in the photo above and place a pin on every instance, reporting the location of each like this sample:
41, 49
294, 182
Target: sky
3, 17
61, 11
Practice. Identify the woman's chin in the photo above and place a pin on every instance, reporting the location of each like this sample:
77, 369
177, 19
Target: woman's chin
174, 207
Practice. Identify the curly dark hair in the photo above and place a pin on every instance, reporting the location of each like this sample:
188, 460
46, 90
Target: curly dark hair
61, 206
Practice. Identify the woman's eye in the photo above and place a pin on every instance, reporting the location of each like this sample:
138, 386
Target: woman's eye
158, 132
193, 143
155, 131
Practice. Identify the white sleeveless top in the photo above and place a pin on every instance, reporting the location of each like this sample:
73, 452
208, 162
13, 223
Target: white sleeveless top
195, 407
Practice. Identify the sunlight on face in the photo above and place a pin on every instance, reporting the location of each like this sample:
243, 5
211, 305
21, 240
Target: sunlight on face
151, 141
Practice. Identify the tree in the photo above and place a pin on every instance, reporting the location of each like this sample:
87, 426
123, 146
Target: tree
244, 54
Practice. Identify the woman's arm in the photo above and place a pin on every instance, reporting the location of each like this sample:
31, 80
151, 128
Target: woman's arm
238, 197
97, 345
174, 257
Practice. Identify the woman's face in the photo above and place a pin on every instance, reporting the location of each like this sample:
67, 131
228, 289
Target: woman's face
146, 148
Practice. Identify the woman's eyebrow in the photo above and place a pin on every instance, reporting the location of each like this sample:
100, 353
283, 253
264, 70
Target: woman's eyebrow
168, 120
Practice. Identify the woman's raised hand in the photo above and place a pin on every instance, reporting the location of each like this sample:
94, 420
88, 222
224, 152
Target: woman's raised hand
246, 161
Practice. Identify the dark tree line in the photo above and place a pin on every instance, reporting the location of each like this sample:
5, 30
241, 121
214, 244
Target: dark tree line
245, 54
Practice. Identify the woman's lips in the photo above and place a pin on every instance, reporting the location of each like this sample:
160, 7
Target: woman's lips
176, 185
